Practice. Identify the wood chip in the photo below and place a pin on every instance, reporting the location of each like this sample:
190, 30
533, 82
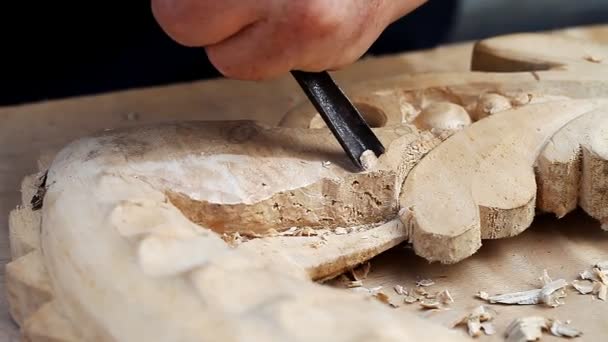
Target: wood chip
384, 298
483, 295
531, 329
340, 231
600, 275
602, 265
560, 329
545, 279
526, 329
549, 294
593, 59
410, 299
426, 304
602, 291
587, 275
477, 321
445, 297
354, 283
425, 283
488, 328
400, 290
583, 287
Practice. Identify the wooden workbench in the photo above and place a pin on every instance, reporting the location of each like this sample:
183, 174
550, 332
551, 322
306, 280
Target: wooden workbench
29, 131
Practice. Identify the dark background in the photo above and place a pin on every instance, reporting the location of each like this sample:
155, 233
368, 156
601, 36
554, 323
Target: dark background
55, 49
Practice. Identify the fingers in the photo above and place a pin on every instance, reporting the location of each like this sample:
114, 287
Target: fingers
206, 22
312, 35
262, 39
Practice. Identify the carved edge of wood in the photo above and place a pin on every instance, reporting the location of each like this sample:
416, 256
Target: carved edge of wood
242, 294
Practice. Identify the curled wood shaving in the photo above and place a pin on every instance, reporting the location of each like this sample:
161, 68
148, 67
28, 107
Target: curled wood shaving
425, 283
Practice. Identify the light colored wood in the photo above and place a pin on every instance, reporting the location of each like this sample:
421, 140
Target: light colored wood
254, 240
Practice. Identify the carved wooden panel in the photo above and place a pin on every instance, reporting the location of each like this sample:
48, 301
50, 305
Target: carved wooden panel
217, 230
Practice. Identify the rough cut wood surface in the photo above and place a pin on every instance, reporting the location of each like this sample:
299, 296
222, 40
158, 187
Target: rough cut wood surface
36, 327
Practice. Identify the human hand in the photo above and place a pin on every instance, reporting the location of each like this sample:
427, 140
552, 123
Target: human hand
261, 39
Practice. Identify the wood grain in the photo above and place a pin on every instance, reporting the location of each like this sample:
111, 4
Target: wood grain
30, 130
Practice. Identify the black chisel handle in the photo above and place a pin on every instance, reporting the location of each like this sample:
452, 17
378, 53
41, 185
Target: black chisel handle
340, 115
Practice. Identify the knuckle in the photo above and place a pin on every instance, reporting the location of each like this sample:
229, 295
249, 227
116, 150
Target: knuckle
317, 17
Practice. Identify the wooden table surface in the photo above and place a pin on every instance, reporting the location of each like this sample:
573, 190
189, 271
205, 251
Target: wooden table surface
29, 131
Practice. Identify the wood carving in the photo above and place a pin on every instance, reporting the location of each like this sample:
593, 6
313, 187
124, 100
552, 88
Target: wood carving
216, 230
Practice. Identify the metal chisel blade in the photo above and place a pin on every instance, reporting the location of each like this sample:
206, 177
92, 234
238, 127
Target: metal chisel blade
340, 115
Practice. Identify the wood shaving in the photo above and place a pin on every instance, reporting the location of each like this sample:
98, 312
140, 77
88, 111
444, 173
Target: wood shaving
587, 275
545, 279
550, 294
340, 231
603, 265
602, 291
355, 283
425, 283
483, 295
560, 329
426, 304
488, 328
526, 329
326, 164
410, 299
593, 59
531, 329
600, 275
361, 272
445, 297
584, 287
400, 290
382, 297
477, 322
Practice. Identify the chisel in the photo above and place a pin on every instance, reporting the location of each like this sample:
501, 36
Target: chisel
340, 115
